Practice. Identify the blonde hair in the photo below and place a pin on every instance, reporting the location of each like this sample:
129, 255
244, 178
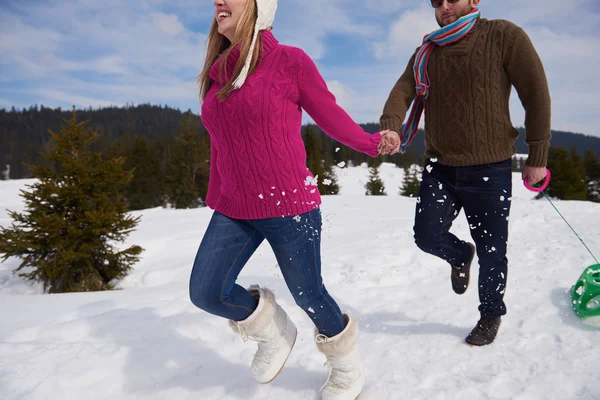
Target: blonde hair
218, 45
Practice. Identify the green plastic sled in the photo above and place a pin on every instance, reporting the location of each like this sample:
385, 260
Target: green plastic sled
586, 293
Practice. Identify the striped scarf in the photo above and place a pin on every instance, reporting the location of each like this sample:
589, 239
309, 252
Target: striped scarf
449, 34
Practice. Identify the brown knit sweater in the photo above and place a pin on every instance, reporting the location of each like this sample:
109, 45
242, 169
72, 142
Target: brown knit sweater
467, 119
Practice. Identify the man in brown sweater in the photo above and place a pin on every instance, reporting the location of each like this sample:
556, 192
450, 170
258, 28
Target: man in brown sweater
469, 141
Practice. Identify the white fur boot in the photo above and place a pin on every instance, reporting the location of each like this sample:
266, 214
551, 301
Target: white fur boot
346, 376
274, 331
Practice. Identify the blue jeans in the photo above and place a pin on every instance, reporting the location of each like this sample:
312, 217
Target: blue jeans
484, 192
229, 243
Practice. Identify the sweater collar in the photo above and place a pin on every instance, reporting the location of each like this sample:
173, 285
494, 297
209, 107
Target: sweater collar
269, 42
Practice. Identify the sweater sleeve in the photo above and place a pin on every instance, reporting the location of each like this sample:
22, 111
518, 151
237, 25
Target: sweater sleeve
214, 179
398, 103
316, 99
526, 73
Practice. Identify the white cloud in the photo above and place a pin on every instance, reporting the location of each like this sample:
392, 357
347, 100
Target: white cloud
406, 34
169, 24
344, 95
578, 15
113, 64
137, 36
56, 96
124, 54
305, 23
18, 37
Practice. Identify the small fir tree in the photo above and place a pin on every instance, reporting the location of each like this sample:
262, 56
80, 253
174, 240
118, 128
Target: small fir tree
375, 186
329, 184
74, 215
410, 182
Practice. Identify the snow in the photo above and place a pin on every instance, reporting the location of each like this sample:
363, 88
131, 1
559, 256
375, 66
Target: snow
311, 180
148, 341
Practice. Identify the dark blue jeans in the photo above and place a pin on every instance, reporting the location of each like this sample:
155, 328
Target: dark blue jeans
227, 246
484, 192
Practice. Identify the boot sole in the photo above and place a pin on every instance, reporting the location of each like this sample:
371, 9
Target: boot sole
478, 345
283, 365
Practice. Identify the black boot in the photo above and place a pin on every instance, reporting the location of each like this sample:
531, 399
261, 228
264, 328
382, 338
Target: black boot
460, 275
485, 332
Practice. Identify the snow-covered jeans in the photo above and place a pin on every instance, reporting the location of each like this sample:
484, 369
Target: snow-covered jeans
229, 243
484, 192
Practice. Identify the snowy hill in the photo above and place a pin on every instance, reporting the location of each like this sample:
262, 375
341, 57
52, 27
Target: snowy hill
147, 341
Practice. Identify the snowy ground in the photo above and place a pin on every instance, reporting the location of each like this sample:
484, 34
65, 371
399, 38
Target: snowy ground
147, 341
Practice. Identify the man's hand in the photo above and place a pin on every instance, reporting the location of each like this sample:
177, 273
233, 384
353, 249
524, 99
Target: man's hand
533, 175
390, 142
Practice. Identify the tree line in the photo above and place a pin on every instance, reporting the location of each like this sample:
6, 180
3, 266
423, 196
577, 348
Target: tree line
24, 132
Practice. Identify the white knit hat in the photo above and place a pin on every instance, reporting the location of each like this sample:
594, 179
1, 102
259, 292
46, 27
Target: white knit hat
266, 15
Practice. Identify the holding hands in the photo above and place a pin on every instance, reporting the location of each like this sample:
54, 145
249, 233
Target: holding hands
390, 142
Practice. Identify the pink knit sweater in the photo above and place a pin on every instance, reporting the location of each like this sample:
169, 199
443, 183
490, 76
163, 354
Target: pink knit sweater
258, 162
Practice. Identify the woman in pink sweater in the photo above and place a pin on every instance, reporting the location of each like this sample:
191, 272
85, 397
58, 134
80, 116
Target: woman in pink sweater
254, 90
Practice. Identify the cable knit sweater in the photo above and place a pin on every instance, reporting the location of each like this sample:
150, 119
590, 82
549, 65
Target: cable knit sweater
467, 118
258, 161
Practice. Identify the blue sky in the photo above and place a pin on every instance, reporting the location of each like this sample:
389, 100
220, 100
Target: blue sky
95, 53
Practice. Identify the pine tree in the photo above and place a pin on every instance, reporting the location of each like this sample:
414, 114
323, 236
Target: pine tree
592, 172
342, 156
579, 184
568, 175
188, 162
203, 171
314, 152
410, 182
375, 185
146, 188
319, 161
74, 215
329, 184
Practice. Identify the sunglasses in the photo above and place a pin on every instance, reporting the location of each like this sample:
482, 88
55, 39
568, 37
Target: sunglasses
438, 3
